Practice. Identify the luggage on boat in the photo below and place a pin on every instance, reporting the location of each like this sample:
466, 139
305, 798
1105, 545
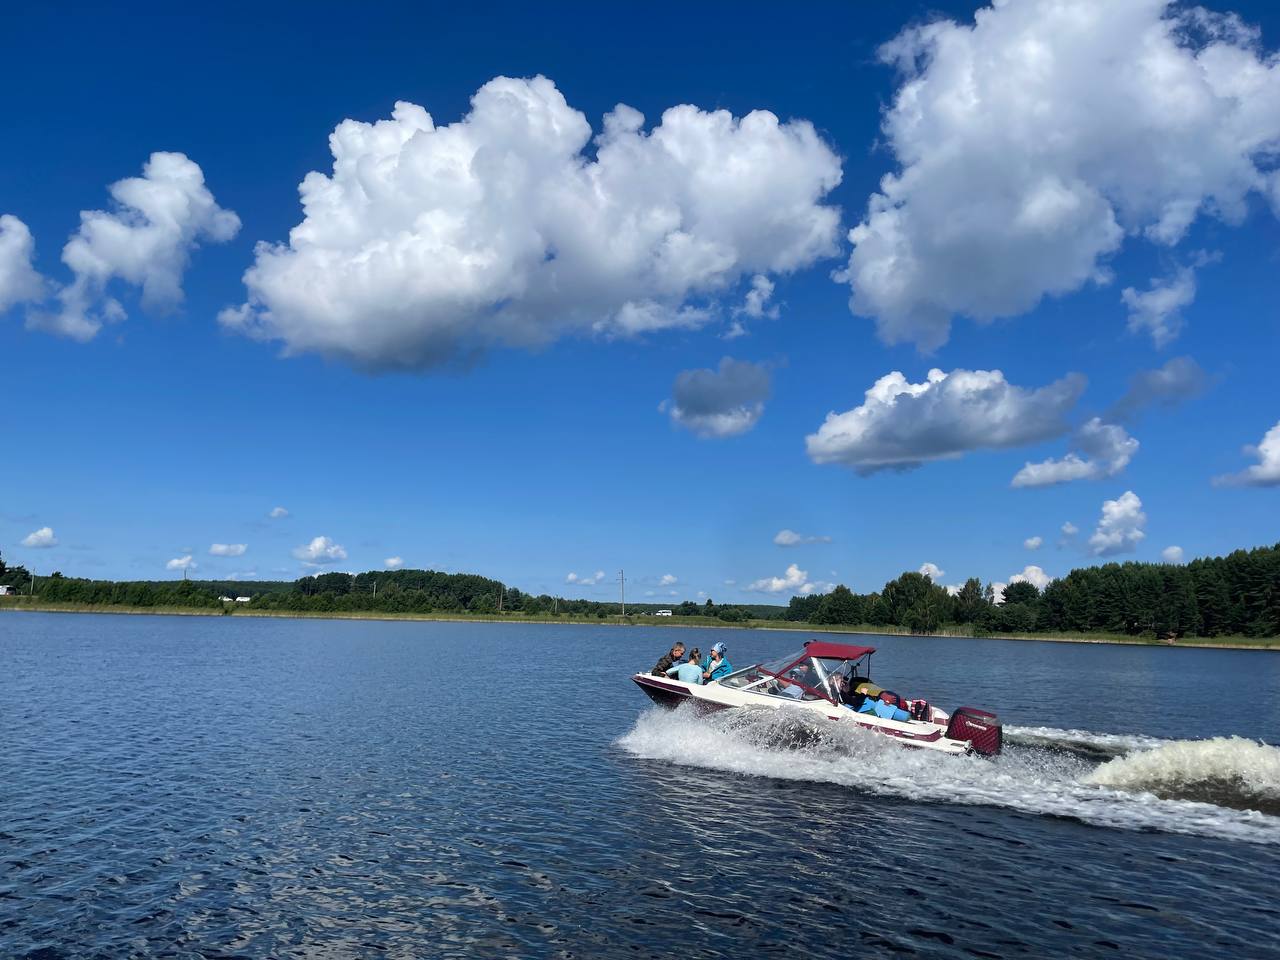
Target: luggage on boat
887, 711
888, 696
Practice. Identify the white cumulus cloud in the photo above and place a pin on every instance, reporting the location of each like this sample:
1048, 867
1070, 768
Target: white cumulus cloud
1264, 473
393, 563
512, 226
902, 425
1032, 142
227, 549
19, 282
667, 580
719, 403
278, 513
932, 571
794, 580
1033, 575
320, 552
1107, 450
1033, 543
587, 581
1171, 554
789, 538
40, 539
1119, 529
145, 241
181, 563
757, 302
1069, 529
1158, 309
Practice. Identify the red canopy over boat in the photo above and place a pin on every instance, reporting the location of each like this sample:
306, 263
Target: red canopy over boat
836, 651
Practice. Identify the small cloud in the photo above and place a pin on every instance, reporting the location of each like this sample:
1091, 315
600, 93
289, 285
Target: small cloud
1069, 529
1120, 527
901, 425
144, 240
19, 281
719, 403
393, 563
1033, 543
793, 579
666, 580
278, 513
1264, 473
1033, 575
40, 539
1178, 380
756, 305
227, 549
320, 552
1107, 449
1158, 310
587, 581
789, 538
181, 563
932, 571
816, 586
1171, 554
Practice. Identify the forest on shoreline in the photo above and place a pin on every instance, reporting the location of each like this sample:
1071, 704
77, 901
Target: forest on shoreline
1235, 595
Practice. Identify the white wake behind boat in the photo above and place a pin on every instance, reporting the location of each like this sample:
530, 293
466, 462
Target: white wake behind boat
833, 680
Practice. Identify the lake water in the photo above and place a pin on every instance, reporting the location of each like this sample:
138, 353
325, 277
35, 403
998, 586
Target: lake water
191, 787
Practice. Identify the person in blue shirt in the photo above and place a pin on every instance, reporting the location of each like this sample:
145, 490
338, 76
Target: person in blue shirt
715, 665
690, 671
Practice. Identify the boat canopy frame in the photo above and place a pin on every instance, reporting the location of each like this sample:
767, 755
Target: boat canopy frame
816, 650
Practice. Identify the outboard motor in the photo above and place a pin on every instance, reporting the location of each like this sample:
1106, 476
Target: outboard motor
981, 729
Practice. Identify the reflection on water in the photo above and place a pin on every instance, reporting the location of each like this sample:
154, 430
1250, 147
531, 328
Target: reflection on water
221, 788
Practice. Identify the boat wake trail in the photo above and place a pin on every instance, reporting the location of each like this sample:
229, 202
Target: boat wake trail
1084, 743
1225, 788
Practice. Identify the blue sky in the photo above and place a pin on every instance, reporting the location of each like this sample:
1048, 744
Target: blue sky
516, 429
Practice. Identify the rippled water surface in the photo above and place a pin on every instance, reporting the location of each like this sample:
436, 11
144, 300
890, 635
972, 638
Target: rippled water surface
191, 787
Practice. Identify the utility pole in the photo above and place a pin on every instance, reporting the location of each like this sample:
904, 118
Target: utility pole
501, 590
622, 584
375, 589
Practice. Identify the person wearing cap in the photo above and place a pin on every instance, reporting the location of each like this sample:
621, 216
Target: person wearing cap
715, 665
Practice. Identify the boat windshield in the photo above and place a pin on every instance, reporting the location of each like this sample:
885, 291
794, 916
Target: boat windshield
797, 676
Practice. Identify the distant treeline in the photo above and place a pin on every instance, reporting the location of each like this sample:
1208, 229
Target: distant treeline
1237, 594
1234, 595
383, 591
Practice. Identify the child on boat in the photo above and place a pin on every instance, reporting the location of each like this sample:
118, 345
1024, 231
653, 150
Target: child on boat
690, 671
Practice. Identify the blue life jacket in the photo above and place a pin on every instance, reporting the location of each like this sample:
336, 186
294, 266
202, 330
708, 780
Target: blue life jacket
719, 671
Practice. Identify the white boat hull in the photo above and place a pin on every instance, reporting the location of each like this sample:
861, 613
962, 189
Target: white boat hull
919, 734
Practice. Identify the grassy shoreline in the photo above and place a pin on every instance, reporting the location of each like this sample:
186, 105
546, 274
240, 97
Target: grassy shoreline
20, 604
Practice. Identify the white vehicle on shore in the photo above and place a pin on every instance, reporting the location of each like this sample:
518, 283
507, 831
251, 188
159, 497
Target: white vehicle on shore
834, 680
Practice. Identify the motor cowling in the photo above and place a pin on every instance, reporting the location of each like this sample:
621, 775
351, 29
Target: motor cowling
982, 729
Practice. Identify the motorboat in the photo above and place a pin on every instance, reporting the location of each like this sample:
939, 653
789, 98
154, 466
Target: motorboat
833, 680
